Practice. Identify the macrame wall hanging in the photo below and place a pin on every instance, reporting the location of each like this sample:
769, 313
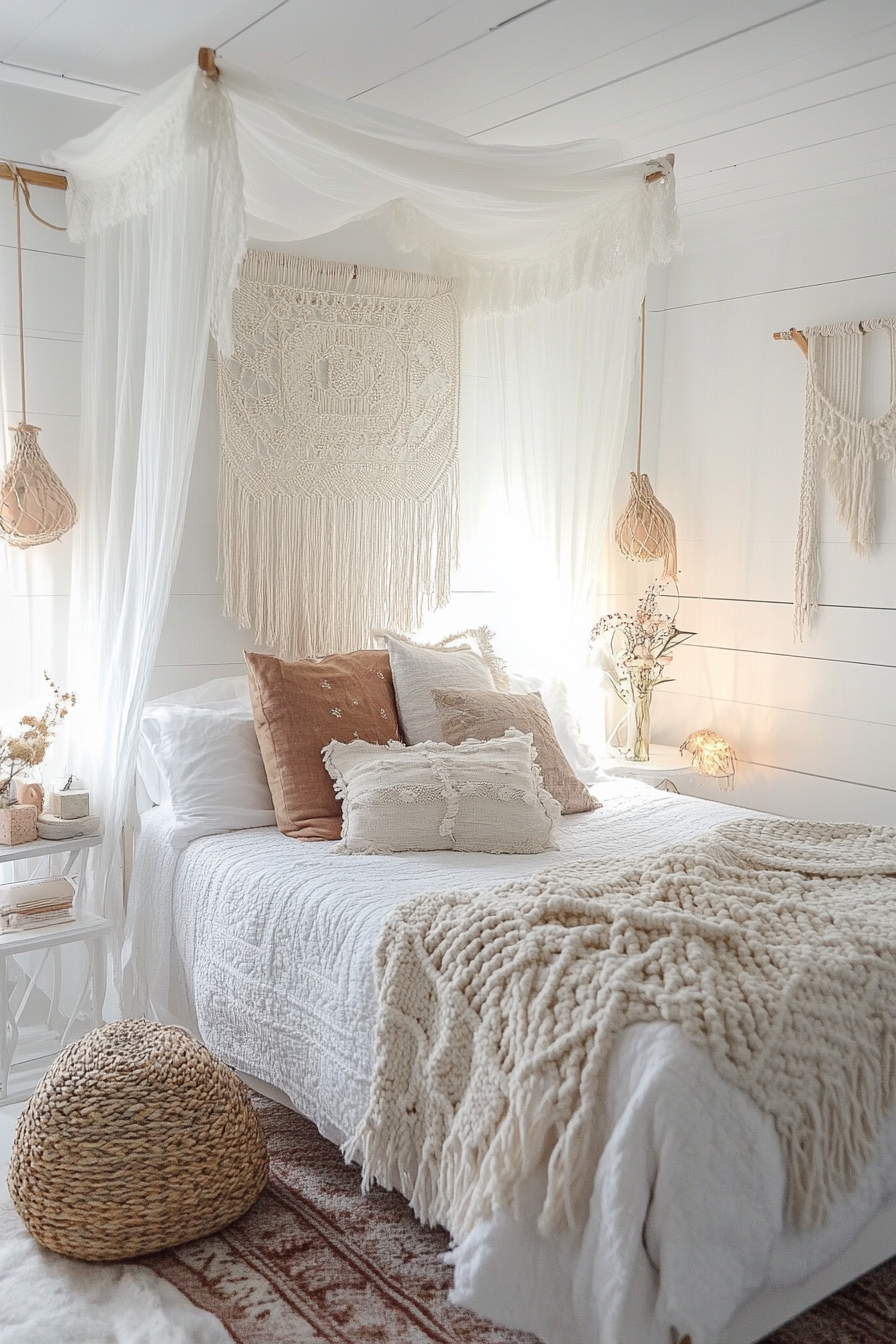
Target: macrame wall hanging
646, 530
848, 445
35, 506
338, 501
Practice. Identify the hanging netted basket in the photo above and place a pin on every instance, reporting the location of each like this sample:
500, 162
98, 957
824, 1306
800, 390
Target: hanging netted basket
35, 506
646, 530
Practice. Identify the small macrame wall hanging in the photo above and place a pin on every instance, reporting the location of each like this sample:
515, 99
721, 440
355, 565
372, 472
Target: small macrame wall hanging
646, 530
842, 443
35, 506
339, 406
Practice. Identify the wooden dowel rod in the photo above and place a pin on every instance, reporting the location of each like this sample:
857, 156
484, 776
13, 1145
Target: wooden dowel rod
207, 63
795, 335
35, 178
655, 176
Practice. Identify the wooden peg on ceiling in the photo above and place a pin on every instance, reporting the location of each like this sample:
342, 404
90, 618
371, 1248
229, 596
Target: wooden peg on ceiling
659, 173
207, 63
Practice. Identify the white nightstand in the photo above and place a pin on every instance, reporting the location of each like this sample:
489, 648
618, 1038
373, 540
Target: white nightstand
30, 1039
666, 767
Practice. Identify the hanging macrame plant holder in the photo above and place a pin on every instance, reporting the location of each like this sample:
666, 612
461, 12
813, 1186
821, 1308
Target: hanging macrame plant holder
35, 507
646, 529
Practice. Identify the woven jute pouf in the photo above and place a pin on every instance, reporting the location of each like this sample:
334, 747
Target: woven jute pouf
135, 1140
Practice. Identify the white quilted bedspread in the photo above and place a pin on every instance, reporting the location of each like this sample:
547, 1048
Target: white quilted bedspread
266, 944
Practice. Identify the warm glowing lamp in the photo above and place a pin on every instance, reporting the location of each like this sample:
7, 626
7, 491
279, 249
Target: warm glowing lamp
712, 756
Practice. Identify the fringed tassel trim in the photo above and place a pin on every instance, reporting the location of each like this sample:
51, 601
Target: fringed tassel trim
314, 576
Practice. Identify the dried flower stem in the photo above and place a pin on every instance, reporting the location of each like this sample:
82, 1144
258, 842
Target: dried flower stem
28, 745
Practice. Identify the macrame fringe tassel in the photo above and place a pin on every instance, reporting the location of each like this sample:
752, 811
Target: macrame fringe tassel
849, 445
807, 569
343, 566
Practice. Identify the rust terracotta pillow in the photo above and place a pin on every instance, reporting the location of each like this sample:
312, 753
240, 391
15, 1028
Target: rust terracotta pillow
488, 714
299, 708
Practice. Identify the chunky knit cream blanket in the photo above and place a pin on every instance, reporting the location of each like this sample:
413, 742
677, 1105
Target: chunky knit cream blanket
771, 943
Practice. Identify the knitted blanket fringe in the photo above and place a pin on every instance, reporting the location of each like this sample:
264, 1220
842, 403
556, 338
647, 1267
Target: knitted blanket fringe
772, 944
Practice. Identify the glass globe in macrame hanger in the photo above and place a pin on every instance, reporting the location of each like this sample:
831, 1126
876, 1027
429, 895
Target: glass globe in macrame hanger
646, 530
35, 507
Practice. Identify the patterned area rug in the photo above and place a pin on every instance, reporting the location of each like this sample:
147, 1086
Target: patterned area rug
315, 1262
863, 1312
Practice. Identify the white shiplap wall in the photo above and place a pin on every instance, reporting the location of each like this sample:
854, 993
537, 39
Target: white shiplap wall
814, 724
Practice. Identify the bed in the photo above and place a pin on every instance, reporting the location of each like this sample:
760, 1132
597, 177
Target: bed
265, 946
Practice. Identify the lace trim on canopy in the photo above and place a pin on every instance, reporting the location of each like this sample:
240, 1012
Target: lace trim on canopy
121, 177
637, 226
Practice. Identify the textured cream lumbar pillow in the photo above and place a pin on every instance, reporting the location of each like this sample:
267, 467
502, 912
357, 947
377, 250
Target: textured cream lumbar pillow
417, 671
486, 797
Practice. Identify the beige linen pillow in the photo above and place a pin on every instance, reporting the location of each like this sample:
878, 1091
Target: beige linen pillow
483, 797
417, 671
488, 714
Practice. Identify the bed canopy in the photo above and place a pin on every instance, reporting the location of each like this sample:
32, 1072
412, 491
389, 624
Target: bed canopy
548, 247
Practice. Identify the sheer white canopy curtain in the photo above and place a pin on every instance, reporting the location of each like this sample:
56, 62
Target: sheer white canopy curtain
543, 419
548, 248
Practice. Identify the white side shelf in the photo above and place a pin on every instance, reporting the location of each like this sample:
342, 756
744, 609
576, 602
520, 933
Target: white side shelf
54, 935
663, 761
34, 1024
39, 849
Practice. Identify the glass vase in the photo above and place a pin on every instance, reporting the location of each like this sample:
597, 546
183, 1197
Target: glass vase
639, 733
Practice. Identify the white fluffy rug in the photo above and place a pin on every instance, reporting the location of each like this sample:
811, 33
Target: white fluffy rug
47, 1299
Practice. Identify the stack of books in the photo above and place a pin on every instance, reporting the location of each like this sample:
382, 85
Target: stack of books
36, 903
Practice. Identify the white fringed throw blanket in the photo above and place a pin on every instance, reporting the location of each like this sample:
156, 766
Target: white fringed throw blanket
338, 500
771, 943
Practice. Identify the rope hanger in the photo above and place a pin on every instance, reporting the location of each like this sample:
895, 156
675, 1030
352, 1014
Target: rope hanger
646, 529
35, 507
20, 188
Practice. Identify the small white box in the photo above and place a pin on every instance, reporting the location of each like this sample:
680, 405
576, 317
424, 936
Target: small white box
70, 805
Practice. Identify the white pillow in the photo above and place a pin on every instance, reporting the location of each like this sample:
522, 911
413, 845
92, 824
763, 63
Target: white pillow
220, 693
483, 797
418, 671
556, 701
211, 766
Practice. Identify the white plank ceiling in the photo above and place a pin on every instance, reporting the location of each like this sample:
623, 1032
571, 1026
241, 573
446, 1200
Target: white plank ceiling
778, 112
